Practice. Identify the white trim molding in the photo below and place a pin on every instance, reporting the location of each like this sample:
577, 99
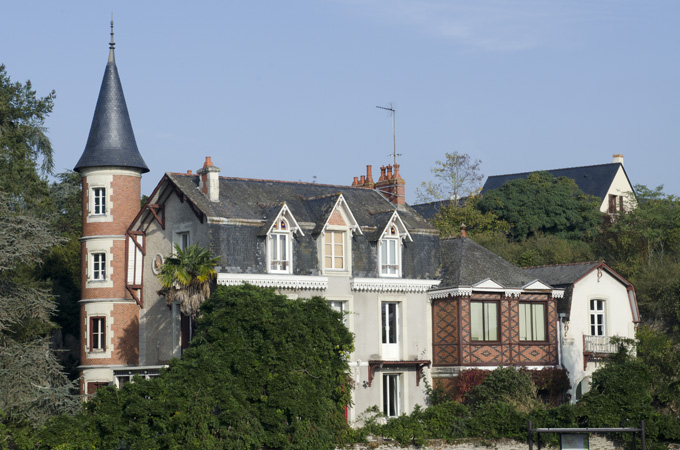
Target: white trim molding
392, 285
274, 280
453, 292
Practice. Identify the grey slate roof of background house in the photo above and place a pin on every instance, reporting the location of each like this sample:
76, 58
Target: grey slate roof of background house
593, 180
561, 275
465, 263
111, 142
429, 210
250, 199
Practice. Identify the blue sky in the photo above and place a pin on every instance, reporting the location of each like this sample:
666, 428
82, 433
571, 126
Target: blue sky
288, 90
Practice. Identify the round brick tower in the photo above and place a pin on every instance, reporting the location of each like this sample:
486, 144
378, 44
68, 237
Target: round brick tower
111, 168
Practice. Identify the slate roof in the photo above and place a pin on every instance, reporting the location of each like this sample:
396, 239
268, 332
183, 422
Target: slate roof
111, 142
429, 210
251, 199
465, 263
561, 275
594, 180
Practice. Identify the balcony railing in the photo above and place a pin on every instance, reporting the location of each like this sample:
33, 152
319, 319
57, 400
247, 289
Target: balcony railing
597, 347
601, 345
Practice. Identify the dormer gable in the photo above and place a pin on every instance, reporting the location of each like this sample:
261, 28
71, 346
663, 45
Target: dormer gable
487, 284
341, 216
536, 285
395, 224
284, 215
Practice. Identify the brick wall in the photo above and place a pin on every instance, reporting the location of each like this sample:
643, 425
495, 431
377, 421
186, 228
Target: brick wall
124, 329
125, 198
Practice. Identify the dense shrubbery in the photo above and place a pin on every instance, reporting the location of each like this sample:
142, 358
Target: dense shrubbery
262, 372
506, 400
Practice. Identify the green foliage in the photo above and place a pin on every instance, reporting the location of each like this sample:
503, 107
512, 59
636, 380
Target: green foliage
552, 384
542, 203
506, 385
186, 276
25, 150
455, 177
449, 219
661, 356
262, 371
644, 246
32, 384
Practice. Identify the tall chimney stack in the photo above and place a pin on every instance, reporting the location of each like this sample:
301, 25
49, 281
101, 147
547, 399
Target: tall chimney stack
618, 158
209, 182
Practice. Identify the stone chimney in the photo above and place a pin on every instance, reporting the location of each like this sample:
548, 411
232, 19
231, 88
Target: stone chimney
209, 182
618, 158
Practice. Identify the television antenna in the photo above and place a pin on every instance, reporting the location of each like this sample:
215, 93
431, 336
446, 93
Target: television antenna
393, 113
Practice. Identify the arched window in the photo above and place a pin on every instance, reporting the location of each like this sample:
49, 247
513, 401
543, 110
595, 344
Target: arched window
279, 244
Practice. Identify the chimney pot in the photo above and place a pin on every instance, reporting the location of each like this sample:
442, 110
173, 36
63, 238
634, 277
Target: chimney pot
396, 172
369, 174
208, 162
382, 174
462, 230
389, 171
356, 181
189, 172
362, 181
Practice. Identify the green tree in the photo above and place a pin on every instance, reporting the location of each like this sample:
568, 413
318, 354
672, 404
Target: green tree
262, 371
32, 384
186, 277
450, 218
455, 177
25, 150
542, 203
644, 246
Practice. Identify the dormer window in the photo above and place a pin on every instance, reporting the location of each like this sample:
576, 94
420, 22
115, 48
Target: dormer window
334, 244
280, 247
99, 201
390, 253
390, 247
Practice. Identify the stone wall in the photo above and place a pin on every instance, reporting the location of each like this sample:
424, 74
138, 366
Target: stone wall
597, 442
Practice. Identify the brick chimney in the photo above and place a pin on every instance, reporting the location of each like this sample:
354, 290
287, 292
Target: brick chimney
209, 182
618, 158
391, 185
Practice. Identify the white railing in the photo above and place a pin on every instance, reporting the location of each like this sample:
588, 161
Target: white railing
599, 344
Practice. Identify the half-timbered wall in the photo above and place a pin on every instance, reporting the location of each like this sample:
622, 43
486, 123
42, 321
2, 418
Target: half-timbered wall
453, 346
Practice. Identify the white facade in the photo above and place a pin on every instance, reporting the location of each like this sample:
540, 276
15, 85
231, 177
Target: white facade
602, 304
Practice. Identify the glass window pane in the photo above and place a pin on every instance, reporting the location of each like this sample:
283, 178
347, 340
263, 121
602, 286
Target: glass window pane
476, 321
539, 322
491, 321
524, 321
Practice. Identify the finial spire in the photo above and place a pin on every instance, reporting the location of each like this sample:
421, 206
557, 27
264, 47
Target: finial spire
112, 45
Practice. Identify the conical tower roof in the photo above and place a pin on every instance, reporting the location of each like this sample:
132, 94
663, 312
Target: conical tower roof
111, 142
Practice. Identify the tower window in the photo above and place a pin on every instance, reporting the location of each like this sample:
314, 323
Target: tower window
99, 195
97, 334
99, 266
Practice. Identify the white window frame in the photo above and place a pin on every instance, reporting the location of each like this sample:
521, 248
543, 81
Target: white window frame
100, 334
99, 201
98, 266
339, 306
343, 240
390, 329
389, 264
391, 393
597, 310
281, 231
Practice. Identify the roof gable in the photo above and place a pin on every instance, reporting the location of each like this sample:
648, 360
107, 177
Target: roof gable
593, 180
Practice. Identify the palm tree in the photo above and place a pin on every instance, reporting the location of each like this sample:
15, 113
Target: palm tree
186, 277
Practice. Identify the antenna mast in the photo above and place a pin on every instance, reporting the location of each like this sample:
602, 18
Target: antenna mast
393, 113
